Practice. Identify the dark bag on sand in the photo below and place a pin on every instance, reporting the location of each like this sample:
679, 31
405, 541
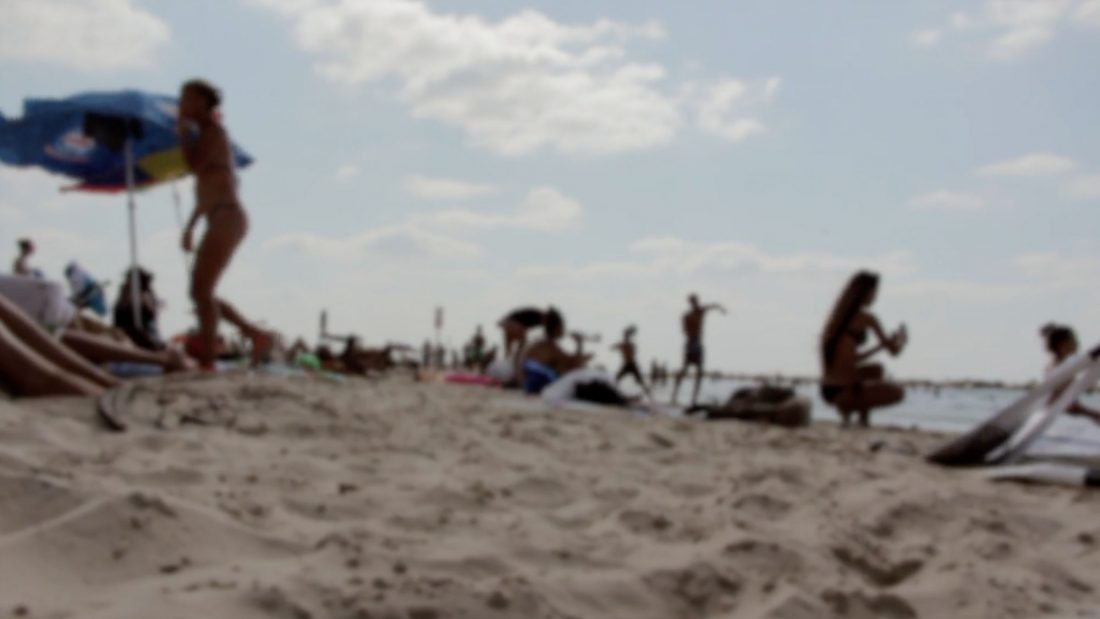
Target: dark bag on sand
774, 405
598, 392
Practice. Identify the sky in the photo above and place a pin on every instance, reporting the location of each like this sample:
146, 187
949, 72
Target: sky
611, 158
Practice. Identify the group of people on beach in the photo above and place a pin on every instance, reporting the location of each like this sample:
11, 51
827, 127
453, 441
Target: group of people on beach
32, 308
52, 348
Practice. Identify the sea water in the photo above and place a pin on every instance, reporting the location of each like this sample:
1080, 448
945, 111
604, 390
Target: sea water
942, 409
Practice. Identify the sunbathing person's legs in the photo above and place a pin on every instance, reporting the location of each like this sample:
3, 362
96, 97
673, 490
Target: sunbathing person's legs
103, 350
36, 339
30, 374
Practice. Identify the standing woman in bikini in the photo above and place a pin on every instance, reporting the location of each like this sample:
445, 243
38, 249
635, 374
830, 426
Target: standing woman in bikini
210, 156
850, 383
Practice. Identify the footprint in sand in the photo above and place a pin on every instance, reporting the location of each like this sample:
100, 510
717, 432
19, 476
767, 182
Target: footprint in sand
27, 499
764, 559
855, 605
540, 493
699, 587
761, 507
645, 523
876, 570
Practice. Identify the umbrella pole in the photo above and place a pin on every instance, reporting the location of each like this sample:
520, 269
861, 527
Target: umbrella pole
135, 293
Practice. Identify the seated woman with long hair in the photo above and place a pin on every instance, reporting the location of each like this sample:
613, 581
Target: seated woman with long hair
850, 383
1061, 343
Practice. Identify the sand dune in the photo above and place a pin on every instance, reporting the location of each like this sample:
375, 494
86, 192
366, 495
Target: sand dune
257, 496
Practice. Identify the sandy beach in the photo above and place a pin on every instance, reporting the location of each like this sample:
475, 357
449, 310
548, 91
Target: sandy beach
249, 496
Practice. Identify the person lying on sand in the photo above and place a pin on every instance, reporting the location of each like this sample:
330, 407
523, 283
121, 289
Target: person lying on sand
515, 327
359, 360
210, 158
629, 352
34, 363
850, 383
1061, 343
692, 323
545, 361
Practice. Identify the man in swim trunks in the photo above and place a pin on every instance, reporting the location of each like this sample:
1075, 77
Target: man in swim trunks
515, 327
209, 154
692, 323
629, 352
545, 361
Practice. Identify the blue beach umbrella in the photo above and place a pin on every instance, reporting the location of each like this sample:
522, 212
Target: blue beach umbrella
105, 141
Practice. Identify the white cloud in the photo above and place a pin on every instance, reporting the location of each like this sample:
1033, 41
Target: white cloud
949, 200
930, 37
346, 171
1088, 13
963, 291
1009, 29
1083, 188
723, 106
673, 254
430, 188
401, 241
523, 83
1053, 268
1034, 165
81, 34
545, 209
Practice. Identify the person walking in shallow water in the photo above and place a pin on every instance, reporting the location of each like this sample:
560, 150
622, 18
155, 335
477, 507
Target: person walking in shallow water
692, 323
209, 155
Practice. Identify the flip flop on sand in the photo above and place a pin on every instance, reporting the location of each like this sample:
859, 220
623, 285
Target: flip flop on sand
112, 408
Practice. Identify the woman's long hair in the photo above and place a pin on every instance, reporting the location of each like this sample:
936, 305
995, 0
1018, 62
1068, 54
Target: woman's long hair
145, 284
862, 285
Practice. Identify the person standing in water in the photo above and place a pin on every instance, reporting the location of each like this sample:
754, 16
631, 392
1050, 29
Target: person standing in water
209, 154
629, 352
692, 323
850, 383
1061, 343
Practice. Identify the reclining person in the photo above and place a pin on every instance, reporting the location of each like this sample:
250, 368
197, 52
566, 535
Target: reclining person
36, 364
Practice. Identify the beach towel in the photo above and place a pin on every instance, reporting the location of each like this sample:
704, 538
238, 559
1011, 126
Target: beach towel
536, 377
44, 301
